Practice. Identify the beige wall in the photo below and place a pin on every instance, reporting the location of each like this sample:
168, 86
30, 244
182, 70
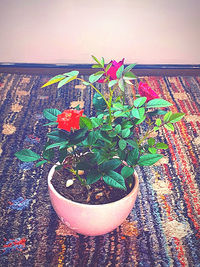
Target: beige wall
69, 31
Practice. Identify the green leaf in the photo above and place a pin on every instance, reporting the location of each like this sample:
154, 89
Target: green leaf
118, 106
93, 177
27, 155
114, 179
51, 114
77, 136
152, 150
48, 154
85, 122
122, 85
99, 72
133, 156
92, 138
58, 136
96, 122
141, 120
96, 66
151, 141
40, 163
135, 113
111, 83
149, 159
130, 76
108, 66
126, 171
176, 117
110, 165
158, 103
112, 134
120, 71
129, 67
93, 78
161, 146
106, 127
96, 60
53, 80
98, 102
86, 83
132, 143
139, 101
127, 124
118, 128
158, 122
102, 62
72, 73
56, 144
66, 80
169, 126
122, 144
157, 112
50, 123
126, 133
167, 116
156, 128
105, 137
120, 114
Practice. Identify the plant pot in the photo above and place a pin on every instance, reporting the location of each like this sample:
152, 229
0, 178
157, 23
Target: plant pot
92, 220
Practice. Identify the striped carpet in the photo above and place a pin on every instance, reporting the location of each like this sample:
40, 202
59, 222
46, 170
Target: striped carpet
163, 229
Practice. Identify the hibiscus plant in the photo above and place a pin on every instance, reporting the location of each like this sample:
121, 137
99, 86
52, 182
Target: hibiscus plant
108, 145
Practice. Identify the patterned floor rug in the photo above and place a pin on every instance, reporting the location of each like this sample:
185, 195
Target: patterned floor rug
163, 229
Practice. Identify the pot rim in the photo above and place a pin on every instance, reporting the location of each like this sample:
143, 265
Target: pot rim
133, 191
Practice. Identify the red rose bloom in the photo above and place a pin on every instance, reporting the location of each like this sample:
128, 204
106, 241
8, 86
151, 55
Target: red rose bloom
69, 119
112, 70
145, 90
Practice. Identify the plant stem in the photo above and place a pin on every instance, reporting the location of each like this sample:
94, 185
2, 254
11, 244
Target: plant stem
95, 90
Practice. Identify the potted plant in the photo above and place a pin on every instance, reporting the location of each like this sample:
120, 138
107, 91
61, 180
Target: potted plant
92, 183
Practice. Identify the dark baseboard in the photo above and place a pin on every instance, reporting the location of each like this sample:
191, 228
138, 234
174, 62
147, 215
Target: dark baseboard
139, 70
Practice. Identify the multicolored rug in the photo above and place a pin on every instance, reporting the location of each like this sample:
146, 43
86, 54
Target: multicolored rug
163, 229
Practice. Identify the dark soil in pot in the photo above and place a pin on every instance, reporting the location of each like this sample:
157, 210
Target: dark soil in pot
98, 193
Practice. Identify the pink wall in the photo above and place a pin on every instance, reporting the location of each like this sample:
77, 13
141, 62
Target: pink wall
69, 31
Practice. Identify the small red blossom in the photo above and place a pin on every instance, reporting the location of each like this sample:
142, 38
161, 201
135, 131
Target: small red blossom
69, 119
112, 71
145, 90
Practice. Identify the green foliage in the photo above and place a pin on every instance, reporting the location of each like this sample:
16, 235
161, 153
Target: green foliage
51, 114
66, 80
119, 72
106, 146
114, 179
127, 171
139, 101
94, 78
86, 122
129, 67
133, 157
27, 155
158, 103
122, 144
149, 159
93, 177
99, 103
53, 80
40, 163
110, 165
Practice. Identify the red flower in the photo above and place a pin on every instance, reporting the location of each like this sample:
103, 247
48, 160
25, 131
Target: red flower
145, 90
112, 70
69, 119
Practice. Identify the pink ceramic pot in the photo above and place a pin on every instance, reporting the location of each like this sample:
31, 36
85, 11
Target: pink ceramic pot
92, 220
